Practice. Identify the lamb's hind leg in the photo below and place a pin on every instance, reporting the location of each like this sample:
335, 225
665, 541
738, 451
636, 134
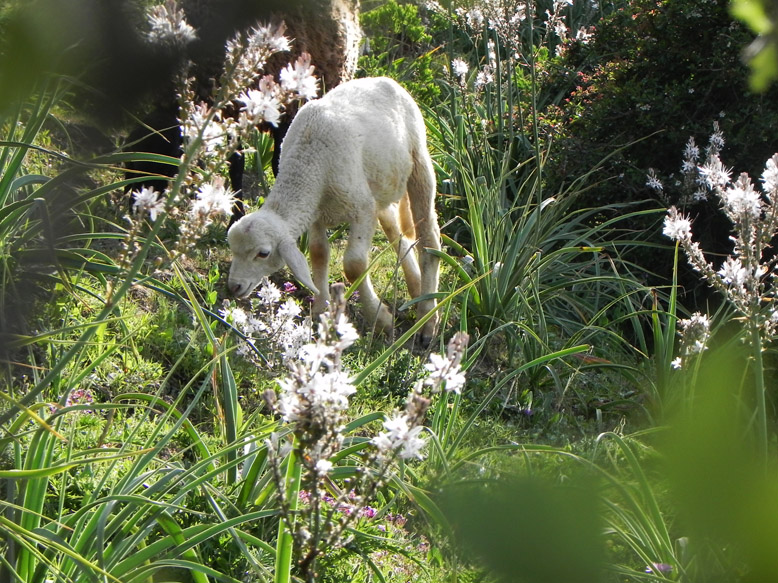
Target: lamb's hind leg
421, 193
390, 223
319, 248
355, 262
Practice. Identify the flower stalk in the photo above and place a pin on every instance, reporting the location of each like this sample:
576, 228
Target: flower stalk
746, 277
316, 512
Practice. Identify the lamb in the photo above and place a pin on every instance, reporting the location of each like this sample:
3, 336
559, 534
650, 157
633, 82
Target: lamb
357, 154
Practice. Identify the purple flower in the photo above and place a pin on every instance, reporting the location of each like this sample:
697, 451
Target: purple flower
346, 509
368, 512
79, 397
289, 287
659, 568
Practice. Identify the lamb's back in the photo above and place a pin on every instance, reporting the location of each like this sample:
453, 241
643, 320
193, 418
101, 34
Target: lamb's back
361, 134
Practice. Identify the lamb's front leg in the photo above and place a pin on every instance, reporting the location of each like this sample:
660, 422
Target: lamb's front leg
355, 262
320, 262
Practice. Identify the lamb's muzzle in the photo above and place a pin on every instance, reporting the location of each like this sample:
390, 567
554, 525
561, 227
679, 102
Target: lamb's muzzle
354, 156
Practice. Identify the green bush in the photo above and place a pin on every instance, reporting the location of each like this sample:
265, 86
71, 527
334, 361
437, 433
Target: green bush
656, 73
400, 46
660, 71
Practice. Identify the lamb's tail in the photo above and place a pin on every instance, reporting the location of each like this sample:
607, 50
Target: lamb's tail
407, 225
420, 197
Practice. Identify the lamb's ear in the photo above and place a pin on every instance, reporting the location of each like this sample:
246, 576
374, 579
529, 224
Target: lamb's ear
296, 261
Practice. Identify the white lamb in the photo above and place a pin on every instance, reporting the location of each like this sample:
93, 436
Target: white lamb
357, 154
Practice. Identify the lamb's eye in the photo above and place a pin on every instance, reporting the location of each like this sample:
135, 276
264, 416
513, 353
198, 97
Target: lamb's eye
262, 255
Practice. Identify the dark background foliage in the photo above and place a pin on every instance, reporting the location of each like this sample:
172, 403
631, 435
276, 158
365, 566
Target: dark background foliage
666, 70
656, 73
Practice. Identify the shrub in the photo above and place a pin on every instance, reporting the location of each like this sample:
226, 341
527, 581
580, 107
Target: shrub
400, 46
655, 73
661, 71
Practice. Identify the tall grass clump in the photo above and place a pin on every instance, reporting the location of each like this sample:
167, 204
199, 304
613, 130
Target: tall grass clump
547, 273
68, 500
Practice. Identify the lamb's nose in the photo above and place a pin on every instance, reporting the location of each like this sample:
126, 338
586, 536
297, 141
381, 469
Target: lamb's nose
235, 288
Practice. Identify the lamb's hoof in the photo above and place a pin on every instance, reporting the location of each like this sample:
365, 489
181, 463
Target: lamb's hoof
428, 332
318, 307
383, 323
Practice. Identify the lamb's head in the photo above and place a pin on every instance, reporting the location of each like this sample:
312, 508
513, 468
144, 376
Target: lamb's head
261, 244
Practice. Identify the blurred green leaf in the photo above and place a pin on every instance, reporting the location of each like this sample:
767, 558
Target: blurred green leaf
754, 14
762, 54
529, 529
724, 492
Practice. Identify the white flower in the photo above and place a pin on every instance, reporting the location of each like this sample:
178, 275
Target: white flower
491, 52
261, 104
442, 370
346, 332
320, 397
266, 37
147, 201
299, 78
484, 77
235, 316
322, 467
203, 119
460, 68
653, 182
398, 436
691, 152
560, 28
288, 310
246, 55
770, 175
213, 198
168, 25
742, 200
732, 272
716, 140
676, 226
713, 173
268, 293
695, 333
475, 19
583, 36
314, 354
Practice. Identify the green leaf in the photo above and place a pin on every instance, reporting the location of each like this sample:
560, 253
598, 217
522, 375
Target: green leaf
754, 14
